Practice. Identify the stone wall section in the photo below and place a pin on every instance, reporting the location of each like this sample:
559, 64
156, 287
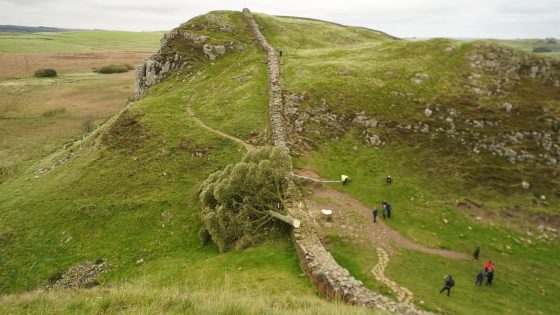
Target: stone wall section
274, 83
334, 281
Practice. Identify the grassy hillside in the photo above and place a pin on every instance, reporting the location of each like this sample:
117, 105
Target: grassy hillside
79, 41
128, 194
334, 77
39, 115
357, 103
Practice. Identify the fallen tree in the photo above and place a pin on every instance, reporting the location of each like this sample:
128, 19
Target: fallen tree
246, 199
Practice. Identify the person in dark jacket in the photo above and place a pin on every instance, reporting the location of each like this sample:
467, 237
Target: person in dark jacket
384, 209
479, 278
489, 277
476, 253
375, 212
389, 208
448, 284
389, 180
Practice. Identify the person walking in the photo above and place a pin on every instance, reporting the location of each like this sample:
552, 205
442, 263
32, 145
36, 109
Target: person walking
375, 211
489, 277
476, 253
389, 208
479, 278
384, 209
448, 284
389, 180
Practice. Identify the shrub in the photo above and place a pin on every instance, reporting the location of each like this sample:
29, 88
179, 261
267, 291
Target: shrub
541, 49
87, 123
45, 73
114, 69
54, 112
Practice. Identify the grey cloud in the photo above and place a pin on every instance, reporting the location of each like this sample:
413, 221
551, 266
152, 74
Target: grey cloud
404, 18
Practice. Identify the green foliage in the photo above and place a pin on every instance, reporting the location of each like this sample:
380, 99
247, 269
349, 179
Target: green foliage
114, 69
45, 73
541, 49
235, 200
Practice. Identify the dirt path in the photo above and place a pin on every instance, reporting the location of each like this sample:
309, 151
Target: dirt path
354, 220
247, 146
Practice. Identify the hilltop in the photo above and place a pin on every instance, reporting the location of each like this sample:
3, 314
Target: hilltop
469, 132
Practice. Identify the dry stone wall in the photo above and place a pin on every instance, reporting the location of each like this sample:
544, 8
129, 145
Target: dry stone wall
274, 83
330, 278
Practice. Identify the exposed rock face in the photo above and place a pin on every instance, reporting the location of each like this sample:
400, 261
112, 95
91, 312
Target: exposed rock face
507, 66
179, 48
81, 276
322, 120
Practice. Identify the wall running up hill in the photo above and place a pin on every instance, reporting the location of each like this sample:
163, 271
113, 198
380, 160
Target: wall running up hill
330, 278
274, 83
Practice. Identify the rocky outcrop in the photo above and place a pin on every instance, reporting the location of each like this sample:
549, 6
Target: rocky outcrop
507, 66
81, 276
179, 48
274, 83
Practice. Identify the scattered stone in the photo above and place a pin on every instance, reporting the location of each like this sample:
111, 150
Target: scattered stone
525, 185
81, 276
428, 112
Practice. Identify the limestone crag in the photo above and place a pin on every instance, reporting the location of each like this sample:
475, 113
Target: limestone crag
322, 120
274, 83
506, 66
179, 48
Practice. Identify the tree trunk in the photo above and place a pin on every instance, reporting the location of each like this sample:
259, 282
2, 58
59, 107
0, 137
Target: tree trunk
291, 221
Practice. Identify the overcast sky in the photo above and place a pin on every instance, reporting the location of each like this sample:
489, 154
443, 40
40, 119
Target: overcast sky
402, 18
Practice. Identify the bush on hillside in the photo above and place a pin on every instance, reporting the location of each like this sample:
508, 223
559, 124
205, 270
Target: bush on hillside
54, 112
541, 49
114, 69
237, 199
45, 73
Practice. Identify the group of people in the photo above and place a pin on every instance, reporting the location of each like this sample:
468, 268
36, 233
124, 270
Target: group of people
488, 272
386, 207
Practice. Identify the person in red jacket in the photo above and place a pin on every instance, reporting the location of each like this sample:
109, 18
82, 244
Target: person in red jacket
489, 266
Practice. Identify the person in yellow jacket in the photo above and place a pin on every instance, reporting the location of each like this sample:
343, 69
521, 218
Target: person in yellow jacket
344, 179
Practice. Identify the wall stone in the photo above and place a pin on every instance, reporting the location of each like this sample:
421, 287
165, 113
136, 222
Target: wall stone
274, 83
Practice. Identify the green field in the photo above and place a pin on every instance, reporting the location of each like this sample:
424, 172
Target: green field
79, 41
128, 192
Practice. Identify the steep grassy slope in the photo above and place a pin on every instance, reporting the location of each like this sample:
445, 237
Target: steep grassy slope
128, 194
38, 115
357, 106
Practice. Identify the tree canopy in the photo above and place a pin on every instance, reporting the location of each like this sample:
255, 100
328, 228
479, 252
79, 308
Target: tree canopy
236, 201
